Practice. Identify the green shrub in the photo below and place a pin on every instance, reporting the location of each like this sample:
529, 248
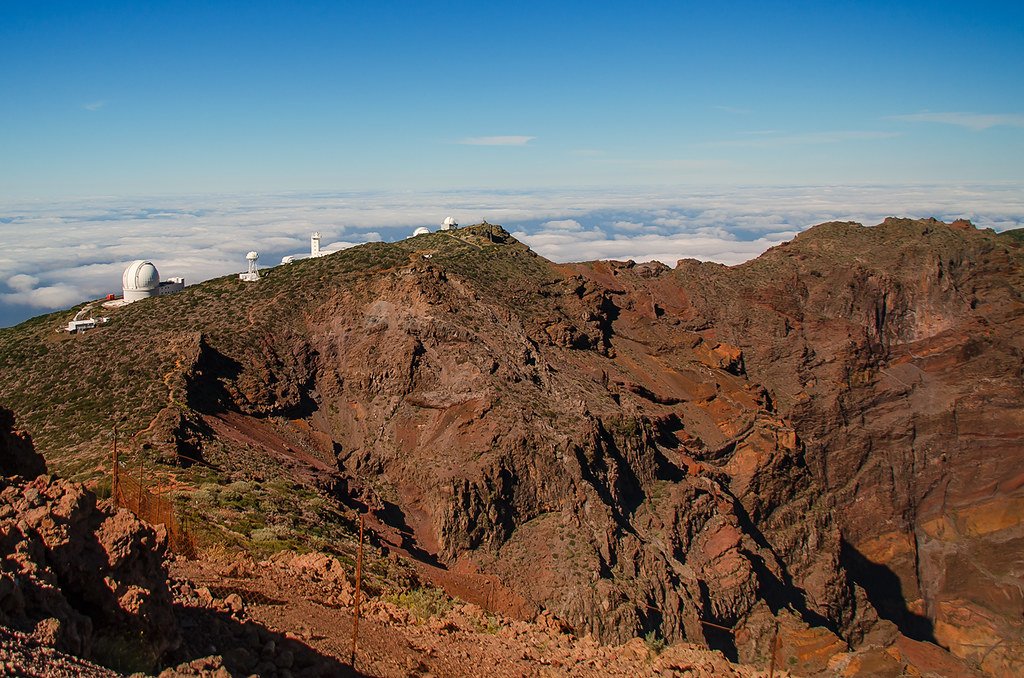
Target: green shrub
423, 602
655, 643
269, 534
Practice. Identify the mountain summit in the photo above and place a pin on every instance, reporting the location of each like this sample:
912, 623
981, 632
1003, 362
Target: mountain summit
822, 444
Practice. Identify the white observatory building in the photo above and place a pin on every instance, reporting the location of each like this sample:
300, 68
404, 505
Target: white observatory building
141, 280
449, 224
253, 274
314, 250
422, 230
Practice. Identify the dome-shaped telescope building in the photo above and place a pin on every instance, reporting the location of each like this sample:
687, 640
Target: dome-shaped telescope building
141, 280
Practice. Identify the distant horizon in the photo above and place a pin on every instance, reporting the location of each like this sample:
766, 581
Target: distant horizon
61, 252
10, 201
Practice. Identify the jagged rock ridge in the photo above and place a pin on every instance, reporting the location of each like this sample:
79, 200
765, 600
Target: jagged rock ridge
635, 448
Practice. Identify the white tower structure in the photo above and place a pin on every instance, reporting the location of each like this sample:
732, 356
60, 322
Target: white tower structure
253, 274
140, 281
314, 245
449, 224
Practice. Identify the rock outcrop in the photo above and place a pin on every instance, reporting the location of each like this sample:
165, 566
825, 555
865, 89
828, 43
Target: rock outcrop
599, 438
17, 455
896, 351
79, 576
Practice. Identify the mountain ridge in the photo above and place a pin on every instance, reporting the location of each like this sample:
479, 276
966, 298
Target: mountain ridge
635, 448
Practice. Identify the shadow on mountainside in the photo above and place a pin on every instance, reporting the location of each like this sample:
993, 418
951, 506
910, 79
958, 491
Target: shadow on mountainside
885, 592
206, 391
248, 648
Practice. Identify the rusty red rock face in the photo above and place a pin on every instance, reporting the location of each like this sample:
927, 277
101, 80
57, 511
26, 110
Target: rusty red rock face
80, 577
829, 433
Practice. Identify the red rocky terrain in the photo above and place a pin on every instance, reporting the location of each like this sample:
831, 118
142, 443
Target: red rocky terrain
81, 581
822, 438
896, 353
823, 443
79, 577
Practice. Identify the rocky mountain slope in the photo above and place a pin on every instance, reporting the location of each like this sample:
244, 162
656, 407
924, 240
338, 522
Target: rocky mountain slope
82, 582
821, 437
78, 577
896, 352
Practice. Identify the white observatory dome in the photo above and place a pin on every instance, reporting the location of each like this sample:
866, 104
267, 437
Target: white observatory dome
140, 280
422, 230
252, 256
448, 224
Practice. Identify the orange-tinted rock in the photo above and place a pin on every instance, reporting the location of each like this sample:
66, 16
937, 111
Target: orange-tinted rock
81, 576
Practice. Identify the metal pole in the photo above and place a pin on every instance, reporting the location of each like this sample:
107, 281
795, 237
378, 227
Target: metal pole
113, 478
359, 581
775, 647
142, 468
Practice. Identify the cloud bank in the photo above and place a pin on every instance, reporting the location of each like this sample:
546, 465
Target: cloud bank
58, 254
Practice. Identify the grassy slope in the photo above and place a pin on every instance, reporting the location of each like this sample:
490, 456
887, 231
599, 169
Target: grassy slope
1015, 234
67, 390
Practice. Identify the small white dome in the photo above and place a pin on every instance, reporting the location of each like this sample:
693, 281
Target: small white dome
252, 256
422, 230
140, 275
449, 222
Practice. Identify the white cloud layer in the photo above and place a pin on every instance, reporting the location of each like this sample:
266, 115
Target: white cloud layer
22, 282
58, 254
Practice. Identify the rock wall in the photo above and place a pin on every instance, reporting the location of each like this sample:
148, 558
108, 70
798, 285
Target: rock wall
17, 455
76, 574
896, 352
558, 433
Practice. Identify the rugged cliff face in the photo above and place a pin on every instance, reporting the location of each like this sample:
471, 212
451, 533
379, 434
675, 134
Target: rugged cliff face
550, 437
896, 353
827, 434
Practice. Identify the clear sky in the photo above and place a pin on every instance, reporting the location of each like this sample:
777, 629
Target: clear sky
143, 98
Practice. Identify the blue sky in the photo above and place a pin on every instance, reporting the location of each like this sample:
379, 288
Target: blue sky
108, 98
190, 133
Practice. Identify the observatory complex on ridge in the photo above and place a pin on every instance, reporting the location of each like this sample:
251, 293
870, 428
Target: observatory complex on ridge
449, 224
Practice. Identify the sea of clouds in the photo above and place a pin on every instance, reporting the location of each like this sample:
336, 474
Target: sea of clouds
57, 254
